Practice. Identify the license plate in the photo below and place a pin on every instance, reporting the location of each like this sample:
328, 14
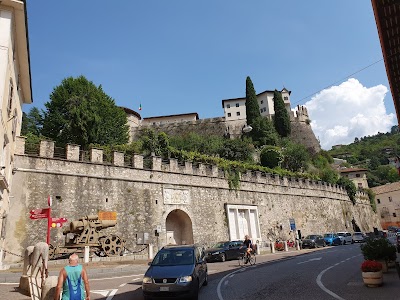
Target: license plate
164, 288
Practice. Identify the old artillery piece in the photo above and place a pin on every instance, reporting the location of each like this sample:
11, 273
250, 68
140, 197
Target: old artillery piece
87, 232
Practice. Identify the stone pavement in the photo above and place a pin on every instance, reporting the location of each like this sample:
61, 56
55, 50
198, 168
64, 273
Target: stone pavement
9, 279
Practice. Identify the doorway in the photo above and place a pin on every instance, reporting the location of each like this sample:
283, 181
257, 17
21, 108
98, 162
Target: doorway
179, 228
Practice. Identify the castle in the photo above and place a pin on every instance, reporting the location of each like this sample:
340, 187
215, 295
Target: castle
231, 124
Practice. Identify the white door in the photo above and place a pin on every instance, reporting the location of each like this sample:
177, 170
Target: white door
170, 238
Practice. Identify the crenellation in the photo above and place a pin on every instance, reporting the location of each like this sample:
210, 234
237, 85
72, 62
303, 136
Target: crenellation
118, 158
173, 165
188, 167
96, 155
156, 163
20, 145
72, 152
137, 161
46, 149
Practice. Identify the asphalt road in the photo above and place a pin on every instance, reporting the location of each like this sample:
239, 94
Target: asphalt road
325, 273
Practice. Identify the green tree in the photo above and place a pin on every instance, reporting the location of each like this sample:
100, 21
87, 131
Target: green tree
349, 187
252, 107
281, 118
296, 157
32, 122
237, 149
263, 132
271, 157
80, 112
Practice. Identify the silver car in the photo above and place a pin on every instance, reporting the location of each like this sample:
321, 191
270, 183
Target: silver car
358, 237
176, 271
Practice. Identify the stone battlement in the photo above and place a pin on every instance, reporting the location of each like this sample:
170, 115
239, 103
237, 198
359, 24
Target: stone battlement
72, 153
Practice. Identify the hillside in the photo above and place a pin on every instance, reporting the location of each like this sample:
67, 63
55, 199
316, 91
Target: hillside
376, 153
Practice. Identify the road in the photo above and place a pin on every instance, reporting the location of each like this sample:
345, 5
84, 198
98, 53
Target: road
325, 273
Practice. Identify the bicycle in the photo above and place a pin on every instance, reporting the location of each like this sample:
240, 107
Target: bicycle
245, 258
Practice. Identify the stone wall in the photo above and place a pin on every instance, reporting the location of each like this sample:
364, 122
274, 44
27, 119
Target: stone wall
144, 198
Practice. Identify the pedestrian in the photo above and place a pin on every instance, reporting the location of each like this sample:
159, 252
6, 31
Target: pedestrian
70, 281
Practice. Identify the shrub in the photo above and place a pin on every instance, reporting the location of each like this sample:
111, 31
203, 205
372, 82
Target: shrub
378, 249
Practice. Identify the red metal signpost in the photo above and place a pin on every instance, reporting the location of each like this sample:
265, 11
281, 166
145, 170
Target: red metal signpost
45, 213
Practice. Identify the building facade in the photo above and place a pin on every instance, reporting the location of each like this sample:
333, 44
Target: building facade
357, 175
235, 109
15, 90
387, 198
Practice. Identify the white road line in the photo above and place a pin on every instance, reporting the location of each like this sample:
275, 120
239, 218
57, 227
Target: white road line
9, 283
321, 285
133, 275
111, 295
136, 279
122, 285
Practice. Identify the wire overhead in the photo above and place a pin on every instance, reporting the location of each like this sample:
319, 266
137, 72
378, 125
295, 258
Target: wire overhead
338, 81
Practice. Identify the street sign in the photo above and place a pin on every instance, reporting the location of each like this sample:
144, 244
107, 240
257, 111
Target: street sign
49, 200
292, 224
57, 222
40, 213
107, 215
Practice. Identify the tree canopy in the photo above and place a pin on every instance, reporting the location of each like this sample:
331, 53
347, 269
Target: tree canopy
252, 107
79, 112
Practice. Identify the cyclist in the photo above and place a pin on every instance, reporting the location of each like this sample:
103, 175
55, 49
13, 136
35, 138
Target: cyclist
249, 248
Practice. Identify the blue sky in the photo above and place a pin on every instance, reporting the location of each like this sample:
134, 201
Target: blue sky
182, 56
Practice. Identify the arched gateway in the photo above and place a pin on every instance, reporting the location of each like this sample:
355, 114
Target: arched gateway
179, 228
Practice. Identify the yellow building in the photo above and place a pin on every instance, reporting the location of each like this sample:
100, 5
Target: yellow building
357, 175
15, 90
388, 204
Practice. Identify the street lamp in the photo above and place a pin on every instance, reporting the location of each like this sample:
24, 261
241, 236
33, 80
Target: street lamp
247, 128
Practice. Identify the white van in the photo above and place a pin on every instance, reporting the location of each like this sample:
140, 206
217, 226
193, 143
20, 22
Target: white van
345, 237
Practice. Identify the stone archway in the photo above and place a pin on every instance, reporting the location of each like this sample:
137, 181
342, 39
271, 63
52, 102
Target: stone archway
179, 228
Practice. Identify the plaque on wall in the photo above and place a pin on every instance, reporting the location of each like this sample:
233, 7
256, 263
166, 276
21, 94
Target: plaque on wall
176, 196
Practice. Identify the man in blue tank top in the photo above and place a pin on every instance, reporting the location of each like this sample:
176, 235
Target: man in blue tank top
70, 281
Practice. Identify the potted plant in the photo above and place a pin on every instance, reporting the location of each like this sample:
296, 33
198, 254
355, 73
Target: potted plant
372, 273
378, 249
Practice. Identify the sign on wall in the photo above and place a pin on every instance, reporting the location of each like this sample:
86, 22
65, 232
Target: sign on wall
243, 220
176, 196
107, 215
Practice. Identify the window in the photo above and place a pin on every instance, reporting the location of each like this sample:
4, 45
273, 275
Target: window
358, 175
238, 113
237, 104
390, 199
261, 110
262, 101
394, 215
285, 98
264, 109
229, 114
228, 106
10, 98
360, 185
379, 201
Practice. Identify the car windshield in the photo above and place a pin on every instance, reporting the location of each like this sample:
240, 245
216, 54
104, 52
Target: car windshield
357, 233
328, 235
173, 257
341, 234
219, 245
311, 237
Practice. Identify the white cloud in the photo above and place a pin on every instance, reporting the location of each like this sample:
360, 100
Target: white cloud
341, 113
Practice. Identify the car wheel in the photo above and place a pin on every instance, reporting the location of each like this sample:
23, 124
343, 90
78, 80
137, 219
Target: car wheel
205, 280
344, 242
223, 257
324, 244
195, 295
352, 241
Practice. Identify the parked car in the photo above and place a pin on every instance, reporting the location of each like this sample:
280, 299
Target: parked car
332, 239
345, 237
222, 251
358, 237
313, 241
398, 242
176, 271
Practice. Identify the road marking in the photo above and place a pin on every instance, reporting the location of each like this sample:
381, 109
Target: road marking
136, 279
133, 275
111, 295
100, 292
311, 259
321, 285
122, 285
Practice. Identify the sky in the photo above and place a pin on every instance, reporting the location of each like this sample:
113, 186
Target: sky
178, 56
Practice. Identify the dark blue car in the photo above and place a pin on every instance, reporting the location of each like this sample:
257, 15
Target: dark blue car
332, 239
176, 271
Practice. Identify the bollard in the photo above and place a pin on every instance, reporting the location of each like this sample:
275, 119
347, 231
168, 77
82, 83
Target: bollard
151, 253
297, 245
86, 256
286, 246
272, 245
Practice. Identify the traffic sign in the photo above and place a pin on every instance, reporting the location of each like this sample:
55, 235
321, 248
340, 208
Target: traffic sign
292, 224
40, 213
57, 222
